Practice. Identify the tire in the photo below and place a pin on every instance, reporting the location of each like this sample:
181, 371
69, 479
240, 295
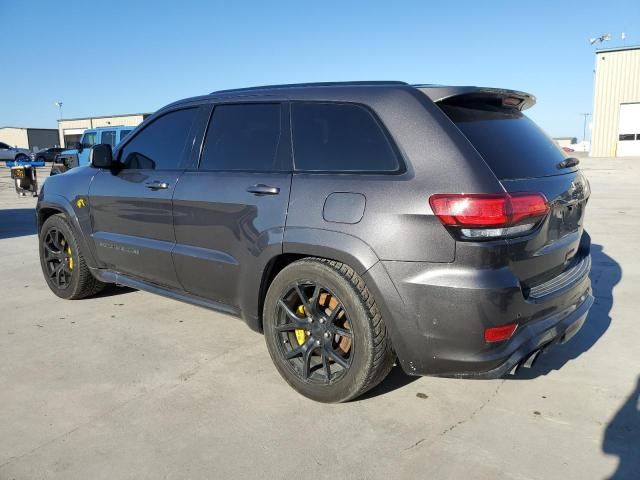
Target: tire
21, 157
63, 255
306, 360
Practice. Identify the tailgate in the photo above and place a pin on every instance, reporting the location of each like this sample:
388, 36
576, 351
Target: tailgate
525, 159
558, 244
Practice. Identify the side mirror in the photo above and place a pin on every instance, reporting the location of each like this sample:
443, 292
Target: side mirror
101, 156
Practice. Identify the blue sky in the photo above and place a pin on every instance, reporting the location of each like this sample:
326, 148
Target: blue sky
112, 57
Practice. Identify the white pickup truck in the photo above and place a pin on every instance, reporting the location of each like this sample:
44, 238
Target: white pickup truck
14, 153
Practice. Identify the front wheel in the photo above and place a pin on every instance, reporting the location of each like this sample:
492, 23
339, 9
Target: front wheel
62, 262
22, 158
324, 331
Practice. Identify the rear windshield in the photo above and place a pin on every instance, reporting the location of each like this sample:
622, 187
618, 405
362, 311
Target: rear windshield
511, 143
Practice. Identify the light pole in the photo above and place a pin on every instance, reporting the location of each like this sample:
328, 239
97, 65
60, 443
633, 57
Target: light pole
59, 105
584, 129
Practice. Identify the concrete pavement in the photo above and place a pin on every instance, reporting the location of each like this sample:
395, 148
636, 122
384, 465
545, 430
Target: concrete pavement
132, 385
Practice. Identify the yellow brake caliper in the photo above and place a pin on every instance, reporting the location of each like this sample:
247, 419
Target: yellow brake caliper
301, 336
70, 258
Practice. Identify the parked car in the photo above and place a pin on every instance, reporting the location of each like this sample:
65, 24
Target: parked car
46, 154
10, 153
79, 155
352, 223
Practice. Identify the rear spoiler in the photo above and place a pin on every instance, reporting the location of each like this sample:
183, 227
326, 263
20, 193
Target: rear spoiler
513, 98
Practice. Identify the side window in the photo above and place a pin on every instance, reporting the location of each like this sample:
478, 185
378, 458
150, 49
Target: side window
161, 144
341, 138
243, 137
4, 146
109, 136
89, 139
124, 133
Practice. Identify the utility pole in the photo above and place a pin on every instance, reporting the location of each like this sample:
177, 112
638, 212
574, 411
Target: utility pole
584, 128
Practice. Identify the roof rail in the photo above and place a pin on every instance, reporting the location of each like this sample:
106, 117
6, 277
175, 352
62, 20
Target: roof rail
316, 84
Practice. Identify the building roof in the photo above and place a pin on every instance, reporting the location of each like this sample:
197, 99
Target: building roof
618, 49
103, 116
28, 128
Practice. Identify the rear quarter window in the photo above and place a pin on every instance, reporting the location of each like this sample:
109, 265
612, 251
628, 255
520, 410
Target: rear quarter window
511, 143
333, 137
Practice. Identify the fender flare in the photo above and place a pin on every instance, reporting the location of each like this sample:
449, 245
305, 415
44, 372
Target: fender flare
339, 246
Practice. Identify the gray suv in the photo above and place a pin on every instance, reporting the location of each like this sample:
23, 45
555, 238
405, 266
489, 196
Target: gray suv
353, 223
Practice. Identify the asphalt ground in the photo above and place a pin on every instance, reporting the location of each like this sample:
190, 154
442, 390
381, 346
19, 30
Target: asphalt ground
132, 385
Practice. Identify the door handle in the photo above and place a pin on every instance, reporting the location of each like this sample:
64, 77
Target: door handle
261, 189
156, 185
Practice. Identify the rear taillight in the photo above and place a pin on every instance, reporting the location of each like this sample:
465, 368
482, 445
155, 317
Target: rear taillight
487, 216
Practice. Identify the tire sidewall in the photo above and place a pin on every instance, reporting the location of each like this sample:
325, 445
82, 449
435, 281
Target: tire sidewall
351, 383
74, 286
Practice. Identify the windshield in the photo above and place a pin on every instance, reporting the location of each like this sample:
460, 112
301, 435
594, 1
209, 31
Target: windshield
89, 139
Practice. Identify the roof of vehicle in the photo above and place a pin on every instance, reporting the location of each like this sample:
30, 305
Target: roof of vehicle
436, 93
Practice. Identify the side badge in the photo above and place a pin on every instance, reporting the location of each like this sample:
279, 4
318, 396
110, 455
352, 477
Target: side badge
80, 203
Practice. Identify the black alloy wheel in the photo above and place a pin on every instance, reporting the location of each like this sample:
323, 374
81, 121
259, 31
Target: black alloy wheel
314, 333
63, 264
324, 331
58, 258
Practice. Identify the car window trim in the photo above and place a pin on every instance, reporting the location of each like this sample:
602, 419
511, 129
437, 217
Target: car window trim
402, 168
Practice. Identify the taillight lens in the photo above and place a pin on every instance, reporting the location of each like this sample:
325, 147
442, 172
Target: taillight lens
499, 334
487, 216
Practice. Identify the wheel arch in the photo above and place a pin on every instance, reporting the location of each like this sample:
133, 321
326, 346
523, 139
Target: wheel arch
302, 243
45, 212
58, 205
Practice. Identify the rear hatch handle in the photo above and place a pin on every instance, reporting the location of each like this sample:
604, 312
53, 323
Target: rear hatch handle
568, 163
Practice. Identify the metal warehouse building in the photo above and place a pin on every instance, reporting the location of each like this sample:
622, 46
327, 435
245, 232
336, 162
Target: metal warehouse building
70, 129
31, 138
616, 105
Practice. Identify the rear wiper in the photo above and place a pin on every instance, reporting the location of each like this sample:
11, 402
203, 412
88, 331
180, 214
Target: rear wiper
569, 162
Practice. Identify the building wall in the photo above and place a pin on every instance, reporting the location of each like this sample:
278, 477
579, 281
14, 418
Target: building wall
617, 81
40, 138
16, 137
75, 125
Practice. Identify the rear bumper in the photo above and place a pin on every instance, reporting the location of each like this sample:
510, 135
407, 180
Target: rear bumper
437, 314
532, 340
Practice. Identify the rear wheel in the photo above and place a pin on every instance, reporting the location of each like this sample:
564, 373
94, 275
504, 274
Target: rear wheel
21, 157
62, 262
324, 331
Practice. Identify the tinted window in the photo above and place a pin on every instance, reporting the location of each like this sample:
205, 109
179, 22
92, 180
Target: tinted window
109, 136
512, 145
89, 139
124, 133
626, 136
4, 145
160, 145
339, 137
243, 137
